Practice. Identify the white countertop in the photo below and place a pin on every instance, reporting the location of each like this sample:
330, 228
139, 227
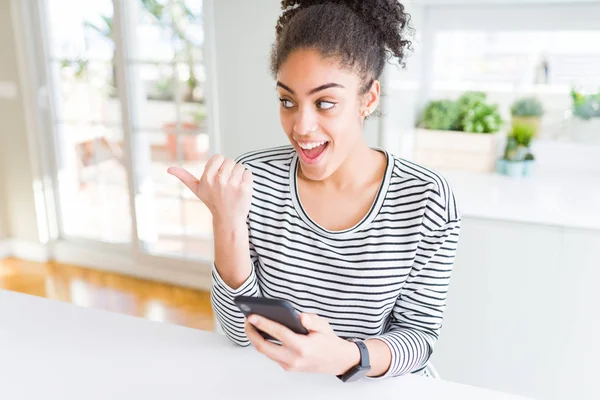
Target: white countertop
53, 350
548, 197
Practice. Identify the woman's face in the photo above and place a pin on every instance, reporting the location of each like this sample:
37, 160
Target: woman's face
320, 111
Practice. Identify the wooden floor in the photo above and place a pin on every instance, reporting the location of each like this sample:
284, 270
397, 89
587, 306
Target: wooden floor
108, 291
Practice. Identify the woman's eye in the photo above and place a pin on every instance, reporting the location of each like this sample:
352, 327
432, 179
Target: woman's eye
325, 105
286, 103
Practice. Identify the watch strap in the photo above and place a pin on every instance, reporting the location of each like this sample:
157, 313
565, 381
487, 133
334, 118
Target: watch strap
363, 366
364, 353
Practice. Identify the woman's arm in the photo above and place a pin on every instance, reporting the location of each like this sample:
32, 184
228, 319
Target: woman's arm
232, 252
416, 319
380, 356
226, 189
233, 275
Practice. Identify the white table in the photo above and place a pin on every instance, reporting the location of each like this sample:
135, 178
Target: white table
50, 349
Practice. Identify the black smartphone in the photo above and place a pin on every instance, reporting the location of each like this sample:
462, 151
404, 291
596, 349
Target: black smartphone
276, 310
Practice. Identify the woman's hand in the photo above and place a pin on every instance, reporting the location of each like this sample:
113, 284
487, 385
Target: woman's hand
321, 351
225, 188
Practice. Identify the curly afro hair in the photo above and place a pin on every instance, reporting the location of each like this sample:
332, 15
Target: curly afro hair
360, 34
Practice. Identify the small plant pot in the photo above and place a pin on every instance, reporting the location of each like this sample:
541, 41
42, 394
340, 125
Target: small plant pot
515, 169
501, 166
522, 152
528, 167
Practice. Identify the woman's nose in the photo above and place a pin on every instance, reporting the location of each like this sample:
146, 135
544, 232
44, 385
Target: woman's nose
305, 123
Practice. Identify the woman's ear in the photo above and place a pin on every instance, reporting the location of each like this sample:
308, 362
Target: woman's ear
371, 99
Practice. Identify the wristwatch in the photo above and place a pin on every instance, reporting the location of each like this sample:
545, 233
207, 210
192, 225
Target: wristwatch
362, 368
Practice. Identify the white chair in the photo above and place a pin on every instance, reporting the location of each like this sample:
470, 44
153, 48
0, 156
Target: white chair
431, 372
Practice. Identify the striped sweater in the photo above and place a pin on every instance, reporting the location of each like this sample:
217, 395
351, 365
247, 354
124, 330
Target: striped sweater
386, 278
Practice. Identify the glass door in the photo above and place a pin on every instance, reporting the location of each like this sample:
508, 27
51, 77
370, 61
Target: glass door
166, 88
91, 178
129, 97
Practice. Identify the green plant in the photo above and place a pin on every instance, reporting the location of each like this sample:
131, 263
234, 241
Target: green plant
199, 115
441, 115
518, 143
523, 134
527, 107
476, 115
529, 157
511, 150
163, 88
77, 67
470, 98
585, 106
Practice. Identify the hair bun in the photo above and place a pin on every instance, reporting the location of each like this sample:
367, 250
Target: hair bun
387, 18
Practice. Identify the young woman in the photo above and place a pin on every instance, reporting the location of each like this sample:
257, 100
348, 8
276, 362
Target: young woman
361, 242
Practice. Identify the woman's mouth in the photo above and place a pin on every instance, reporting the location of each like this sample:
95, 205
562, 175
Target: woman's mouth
312, 152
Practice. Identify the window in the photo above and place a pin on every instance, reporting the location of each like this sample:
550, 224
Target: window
91, 174
128, 101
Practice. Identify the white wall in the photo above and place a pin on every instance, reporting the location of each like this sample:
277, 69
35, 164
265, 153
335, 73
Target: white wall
522, 312
3, 222
500, 2
403, 93
16, 187
561, 15
3, 197
248, 105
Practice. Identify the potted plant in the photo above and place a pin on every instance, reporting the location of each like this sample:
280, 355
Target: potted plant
188, 133
476, 115
518, 159
527, 110
441, 115
586, 117
528, 164
459, 134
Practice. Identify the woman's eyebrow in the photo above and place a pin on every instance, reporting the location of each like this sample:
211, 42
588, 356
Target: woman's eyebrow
326, 86
285, 87
313, 91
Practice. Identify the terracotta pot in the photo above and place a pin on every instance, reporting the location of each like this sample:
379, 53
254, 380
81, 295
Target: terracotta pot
188, 139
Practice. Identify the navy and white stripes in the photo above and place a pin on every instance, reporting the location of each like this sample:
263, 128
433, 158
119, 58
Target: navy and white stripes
386, 278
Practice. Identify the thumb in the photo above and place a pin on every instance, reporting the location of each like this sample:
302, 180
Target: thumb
247, 176
247, 180
314, 323
185, 177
